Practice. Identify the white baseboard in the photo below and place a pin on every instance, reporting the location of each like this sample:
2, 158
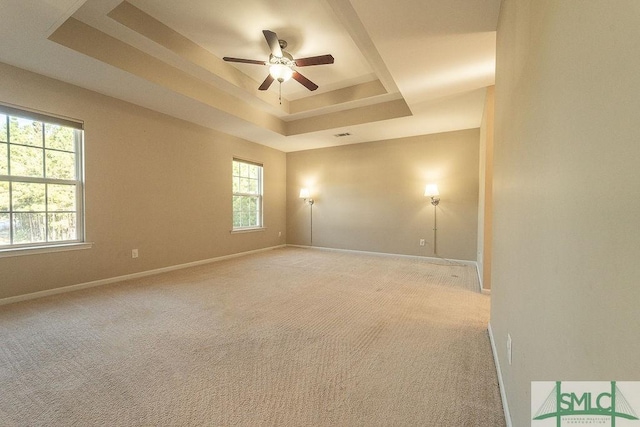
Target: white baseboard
503, 395
434, 259
480, 284
107, 281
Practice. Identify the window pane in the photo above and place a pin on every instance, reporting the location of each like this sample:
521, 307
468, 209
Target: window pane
26, 161
25, 131
244, 185
244, 219
4, 163
236, 168
253, 171
244, 169
61, 198
3, 128
29, 227
5, 229
62, 226
59, 137
28, 197
61, 165
253, 186
244, 206
236, 184
4, 197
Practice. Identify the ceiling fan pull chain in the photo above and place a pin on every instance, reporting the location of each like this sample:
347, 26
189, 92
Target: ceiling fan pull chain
280, 93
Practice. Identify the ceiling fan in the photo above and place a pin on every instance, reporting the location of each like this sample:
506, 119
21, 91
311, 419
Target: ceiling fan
281, 63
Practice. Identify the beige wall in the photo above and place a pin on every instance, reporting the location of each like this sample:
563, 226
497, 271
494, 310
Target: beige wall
566, 276
154, 183
370, 196
485, 193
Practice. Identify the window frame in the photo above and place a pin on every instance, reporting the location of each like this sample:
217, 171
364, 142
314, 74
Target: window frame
259, 196
44, 119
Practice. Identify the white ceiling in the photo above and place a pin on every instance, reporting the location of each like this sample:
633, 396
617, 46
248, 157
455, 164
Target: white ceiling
437, 55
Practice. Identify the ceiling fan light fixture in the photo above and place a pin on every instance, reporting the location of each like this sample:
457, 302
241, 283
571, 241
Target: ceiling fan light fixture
280, 72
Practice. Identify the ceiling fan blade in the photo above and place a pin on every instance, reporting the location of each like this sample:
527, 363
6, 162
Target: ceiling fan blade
266, 83
273, 42
304, 81
244, 61
314, 60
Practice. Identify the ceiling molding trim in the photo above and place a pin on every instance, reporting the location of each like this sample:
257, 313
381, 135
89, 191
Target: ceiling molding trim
338, 96
73, 6
149, 27
355, 116
351, 21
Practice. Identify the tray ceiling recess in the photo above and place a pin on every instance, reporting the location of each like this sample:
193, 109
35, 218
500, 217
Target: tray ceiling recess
83, 33
417, 67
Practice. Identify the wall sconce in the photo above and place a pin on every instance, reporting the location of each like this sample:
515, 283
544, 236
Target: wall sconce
305, 194
431, 190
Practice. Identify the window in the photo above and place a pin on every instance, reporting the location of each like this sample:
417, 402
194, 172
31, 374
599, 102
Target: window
247, 195
40, 180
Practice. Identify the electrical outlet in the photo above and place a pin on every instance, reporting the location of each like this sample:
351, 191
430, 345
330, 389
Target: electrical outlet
509, 348
279, 233
421, 242
134, 253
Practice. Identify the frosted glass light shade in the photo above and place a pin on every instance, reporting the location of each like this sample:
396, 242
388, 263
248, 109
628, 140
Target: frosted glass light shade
431, 190
280, 72
304, 193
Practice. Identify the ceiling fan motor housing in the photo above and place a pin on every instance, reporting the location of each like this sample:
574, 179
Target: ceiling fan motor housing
285, 59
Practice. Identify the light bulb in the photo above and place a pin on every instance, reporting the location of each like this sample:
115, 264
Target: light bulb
280, 72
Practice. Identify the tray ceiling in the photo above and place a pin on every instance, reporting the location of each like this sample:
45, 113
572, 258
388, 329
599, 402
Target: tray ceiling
401, 69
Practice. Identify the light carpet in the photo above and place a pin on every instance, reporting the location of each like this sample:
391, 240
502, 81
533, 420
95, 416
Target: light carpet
288, 337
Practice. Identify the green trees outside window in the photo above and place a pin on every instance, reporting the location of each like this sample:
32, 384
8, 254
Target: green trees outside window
40, 181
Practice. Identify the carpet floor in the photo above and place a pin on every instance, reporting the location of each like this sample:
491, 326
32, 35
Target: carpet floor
287, 337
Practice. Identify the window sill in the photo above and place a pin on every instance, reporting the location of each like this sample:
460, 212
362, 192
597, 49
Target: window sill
247, 230
11, 252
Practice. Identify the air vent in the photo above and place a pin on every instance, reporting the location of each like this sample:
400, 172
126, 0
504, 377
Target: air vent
340, 135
